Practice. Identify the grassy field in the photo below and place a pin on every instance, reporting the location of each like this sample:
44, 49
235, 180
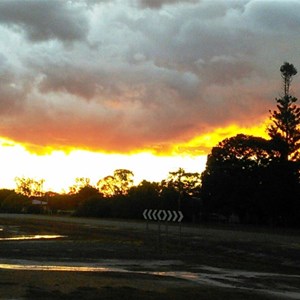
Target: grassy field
205, 263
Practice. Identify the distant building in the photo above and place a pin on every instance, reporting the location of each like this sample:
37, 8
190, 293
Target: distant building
39, 206
39, 202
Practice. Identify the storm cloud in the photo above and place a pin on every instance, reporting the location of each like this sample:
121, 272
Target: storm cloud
160, 3
44, 20
134, 74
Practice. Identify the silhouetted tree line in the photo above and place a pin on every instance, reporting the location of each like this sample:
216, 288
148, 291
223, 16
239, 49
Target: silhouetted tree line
247, 179
178, 191
121, 199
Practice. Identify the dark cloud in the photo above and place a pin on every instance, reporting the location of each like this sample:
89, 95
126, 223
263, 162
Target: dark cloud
138, 78
281, 16
44, 20
13, 88
225, 70
70, 79
160, 3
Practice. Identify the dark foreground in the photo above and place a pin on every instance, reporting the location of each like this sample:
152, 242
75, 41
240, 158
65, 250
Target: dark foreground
112, 260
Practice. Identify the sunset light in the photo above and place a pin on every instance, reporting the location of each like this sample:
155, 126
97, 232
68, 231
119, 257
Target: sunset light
60, 168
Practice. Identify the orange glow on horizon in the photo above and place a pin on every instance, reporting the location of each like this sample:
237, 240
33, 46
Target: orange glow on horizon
202, 144
61, 167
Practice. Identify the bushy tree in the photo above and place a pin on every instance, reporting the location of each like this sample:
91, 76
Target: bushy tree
235, 174
185, 183
80, 183
117, 184
180, 191
30, 187
143, 196
15, 203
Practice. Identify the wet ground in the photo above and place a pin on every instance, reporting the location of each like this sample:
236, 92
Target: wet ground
107, 257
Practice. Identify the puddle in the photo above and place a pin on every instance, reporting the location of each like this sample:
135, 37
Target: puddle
32, 237
110, 265
13, 233
204, 275
63, 268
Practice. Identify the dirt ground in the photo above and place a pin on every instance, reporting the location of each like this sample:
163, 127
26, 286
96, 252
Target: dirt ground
103, 259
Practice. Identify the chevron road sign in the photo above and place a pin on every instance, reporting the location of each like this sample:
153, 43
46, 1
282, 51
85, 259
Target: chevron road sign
163, 215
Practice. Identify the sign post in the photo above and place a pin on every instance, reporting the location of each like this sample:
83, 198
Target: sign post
163, 215
166, 216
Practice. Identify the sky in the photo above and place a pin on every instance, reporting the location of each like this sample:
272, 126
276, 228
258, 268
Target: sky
90, 86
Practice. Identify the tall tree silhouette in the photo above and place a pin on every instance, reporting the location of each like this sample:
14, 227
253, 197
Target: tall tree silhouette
285, 127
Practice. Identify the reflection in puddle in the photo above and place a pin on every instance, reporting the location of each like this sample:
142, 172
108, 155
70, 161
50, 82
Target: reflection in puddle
31, 237
59, 268
17, 264
215, 277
